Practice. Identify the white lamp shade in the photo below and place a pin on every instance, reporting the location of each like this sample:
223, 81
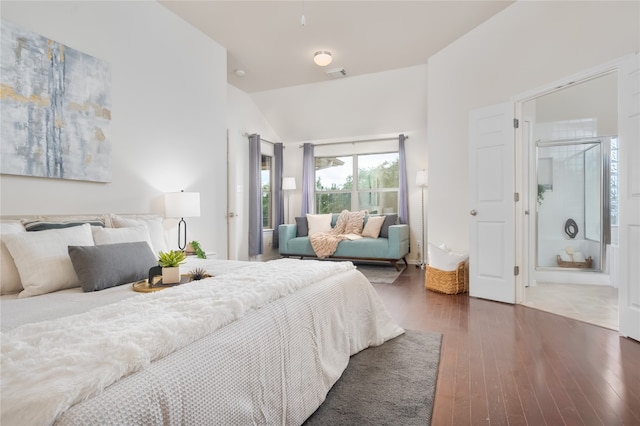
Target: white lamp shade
422, 180
288, 183
322, 58
182, 204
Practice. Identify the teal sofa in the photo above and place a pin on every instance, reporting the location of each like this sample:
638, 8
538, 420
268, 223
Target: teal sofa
391, 246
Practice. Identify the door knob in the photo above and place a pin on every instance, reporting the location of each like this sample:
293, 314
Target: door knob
473, 212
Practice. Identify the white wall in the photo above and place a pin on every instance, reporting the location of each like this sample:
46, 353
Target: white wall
376, 105
597, 98
168, 113
243, 118
526, 46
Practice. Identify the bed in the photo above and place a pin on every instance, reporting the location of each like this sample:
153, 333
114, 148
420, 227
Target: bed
258, 343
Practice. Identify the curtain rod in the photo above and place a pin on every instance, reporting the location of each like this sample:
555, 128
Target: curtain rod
356, 141
262, 140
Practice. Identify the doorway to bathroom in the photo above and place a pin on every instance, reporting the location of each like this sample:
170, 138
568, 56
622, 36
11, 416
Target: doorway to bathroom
571, 139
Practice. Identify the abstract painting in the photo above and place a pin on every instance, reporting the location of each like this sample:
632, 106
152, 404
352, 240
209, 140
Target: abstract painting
55, 109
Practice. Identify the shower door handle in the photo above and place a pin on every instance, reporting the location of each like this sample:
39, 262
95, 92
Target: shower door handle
473, 212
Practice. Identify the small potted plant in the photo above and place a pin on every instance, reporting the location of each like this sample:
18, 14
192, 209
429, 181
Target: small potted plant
197, 249
170, 262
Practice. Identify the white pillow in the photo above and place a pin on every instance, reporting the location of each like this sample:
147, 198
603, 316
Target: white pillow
444, 260
154, 226
9, 276
373, 226
42, 258
102, 236
319, 223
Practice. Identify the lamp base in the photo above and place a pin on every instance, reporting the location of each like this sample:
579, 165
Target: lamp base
182, 232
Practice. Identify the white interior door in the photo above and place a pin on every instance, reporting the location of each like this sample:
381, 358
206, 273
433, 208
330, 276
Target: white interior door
629, 198
492, 221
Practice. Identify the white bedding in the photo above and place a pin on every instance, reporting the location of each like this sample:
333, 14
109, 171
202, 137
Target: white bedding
15, 311
299, 345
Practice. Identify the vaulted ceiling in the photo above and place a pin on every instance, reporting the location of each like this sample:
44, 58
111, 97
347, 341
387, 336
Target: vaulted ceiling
268, 43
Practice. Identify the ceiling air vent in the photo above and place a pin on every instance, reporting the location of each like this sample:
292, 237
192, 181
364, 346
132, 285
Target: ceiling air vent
337, 73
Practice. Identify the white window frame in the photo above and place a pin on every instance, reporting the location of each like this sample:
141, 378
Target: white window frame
355, 191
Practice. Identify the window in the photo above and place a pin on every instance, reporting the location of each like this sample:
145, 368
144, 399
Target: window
357, 182
267, 195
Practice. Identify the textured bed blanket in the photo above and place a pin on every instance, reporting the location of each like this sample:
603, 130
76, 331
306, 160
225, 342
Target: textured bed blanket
348, 227
273, 366
47, 367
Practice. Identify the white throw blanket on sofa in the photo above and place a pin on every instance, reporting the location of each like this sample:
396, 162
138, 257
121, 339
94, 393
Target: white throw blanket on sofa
53, 365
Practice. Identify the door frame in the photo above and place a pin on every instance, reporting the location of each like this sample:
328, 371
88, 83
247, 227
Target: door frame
524, 160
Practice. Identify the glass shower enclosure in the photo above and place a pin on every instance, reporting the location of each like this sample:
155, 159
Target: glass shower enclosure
573, 204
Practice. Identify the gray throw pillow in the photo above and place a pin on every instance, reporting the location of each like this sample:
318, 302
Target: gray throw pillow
390, 219
43, 225
110, 265
302, 229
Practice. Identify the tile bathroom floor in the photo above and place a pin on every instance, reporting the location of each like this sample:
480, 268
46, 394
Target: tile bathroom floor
589, 303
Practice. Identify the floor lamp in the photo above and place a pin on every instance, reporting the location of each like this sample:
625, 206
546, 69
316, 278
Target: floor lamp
422, 183
288, 185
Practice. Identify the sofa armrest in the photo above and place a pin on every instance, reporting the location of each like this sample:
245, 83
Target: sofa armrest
286, 232
399, 240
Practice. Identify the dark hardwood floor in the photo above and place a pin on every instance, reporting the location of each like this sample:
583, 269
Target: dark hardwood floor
512, 365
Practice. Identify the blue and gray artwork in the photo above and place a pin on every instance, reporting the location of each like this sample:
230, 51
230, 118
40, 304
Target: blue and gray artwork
55, 109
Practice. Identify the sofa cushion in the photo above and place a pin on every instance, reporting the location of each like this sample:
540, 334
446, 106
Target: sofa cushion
366, 248
390, 219
302, 228
300, 246
319, 223
373, 226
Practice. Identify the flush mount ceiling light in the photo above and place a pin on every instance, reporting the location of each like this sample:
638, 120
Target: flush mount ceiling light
322, 58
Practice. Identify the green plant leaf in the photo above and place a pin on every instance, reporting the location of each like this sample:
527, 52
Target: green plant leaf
199, 252
171, 258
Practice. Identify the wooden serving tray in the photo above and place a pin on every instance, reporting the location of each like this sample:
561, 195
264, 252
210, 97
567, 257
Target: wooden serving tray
143, 286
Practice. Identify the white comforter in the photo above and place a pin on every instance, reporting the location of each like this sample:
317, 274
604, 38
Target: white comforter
48, 367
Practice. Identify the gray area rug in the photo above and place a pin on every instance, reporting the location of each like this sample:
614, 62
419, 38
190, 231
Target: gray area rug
379, 274
391, 384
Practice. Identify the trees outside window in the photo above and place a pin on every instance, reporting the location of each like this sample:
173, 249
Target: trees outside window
267, 193
357, 182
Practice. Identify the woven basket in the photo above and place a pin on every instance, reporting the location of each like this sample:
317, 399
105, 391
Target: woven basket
448, 282
568, 264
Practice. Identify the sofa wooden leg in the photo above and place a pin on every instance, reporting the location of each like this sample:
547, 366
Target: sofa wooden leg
395, 264
405, 261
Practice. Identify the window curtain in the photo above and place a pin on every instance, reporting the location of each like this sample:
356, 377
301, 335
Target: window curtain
403, 196
308, 179
255, 196
278, 198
